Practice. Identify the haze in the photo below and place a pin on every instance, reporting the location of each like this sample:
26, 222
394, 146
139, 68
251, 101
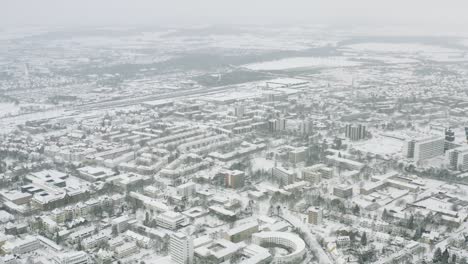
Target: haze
449, 14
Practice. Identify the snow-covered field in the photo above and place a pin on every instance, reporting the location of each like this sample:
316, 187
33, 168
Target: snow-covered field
8, 108
464, 42
380, 145
412, 50
302, 62
398, 47
250, 41
388, 59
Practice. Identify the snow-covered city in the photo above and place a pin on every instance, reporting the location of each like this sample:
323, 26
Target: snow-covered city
233, 144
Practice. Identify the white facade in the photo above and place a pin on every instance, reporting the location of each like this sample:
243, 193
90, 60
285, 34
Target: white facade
170, 220
22, 246
425, 148
458, 158
181, 248
293, 242
79, 257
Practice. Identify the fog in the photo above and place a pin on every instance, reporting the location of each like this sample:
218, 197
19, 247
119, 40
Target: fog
428, 13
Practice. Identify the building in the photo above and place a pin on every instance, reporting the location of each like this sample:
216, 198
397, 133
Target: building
275, 125
306, 127
127, 181
311, 175
93, 174
294, 244
298, 155
357, 132
283, 175
16, 197
94, 241
81, 234
186, 190
239, 110
343, 241
21, 246
242, 232
78, 257
234, 178
222, 250
126, 250
181, 248
324, 172
256, 254
344, 163
53, 177
343, 191
457, 158
273, 96
170, 220
426, 148
315, 216
121, 223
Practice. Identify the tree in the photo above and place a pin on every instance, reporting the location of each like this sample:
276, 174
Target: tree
385, 214
270, 210
356, 210
418, 233
411, 222
437, 255
57, 237
454, 258
364, 239
147, 219
79, 247
153, 223
114, 230
445, 256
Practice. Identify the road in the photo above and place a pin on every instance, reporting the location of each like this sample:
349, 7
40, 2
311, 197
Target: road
310, 238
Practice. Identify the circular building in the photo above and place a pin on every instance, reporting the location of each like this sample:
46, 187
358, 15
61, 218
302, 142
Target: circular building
291, 242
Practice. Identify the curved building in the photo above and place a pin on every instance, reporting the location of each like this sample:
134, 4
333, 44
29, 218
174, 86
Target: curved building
293, 243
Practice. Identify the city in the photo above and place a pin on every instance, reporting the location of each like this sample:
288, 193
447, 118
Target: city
234, 145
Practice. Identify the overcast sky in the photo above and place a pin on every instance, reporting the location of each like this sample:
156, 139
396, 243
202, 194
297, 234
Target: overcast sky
173, 12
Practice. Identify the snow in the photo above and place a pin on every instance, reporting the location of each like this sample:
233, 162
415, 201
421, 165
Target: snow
8, 108
380, 145
412, 50
302, 62
398, 47
262, 164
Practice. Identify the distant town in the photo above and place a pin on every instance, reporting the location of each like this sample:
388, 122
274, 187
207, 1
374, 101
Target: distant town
191, 146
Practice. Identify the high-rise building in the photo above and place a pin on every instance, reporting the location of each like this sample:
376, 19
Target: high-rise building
343, 191
355, 132
187, 189
283, 175
306, 127
311, 175
234, 178
458, 158
426, 148
239, 110
315, 216
277, 124
298, 155
449, 135
181, 248
242, 232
